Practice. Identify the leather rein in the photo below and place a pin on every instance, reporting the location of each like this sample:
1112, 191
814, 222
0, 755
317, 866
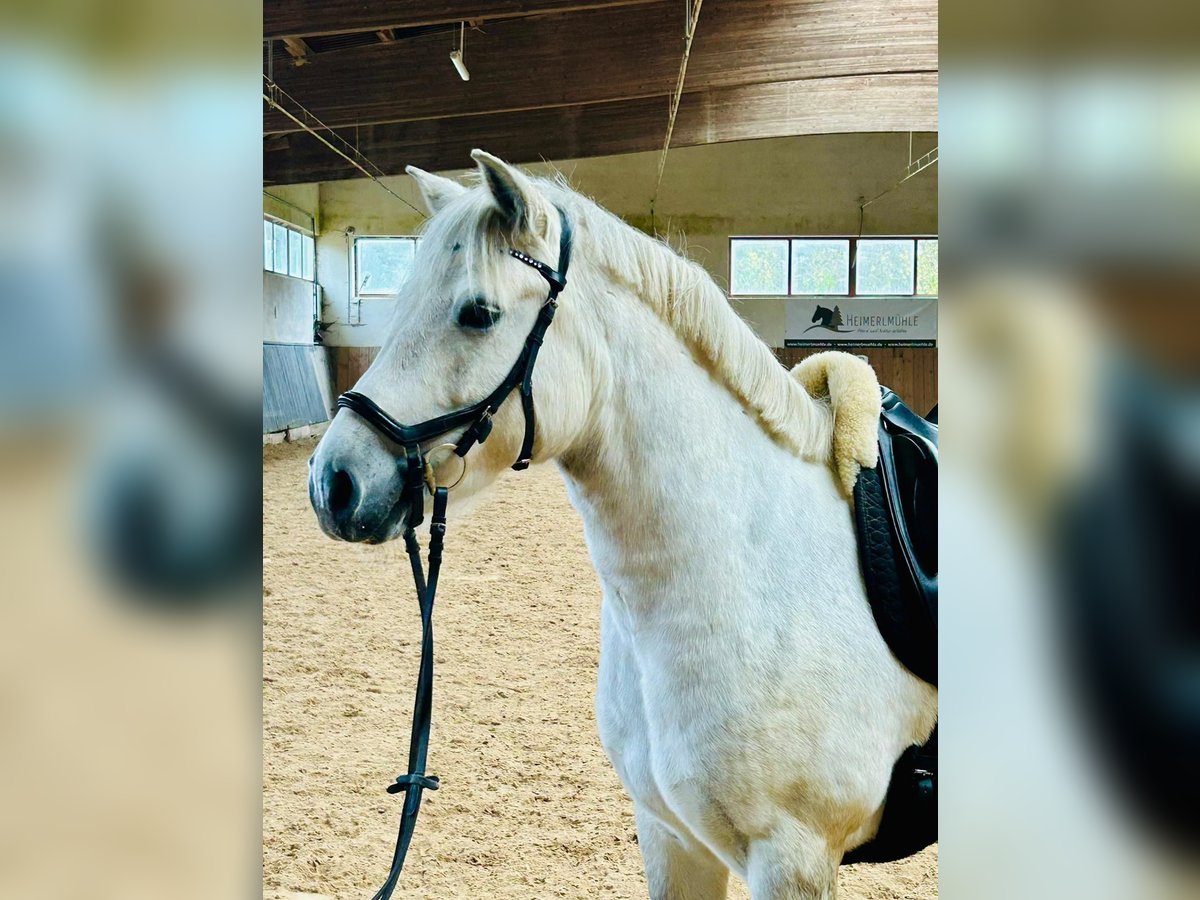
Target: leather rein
418, 477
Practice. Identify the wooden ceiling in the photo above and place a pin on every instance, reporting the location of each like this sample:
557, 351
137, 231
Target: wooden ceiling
557, 79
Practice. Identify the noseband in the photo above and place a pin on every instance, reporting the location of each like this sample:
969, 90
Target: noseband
418, 476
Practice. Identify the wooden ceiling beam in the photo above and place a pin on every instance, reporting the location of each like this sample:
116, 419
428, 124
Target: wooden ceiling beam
298, 50
834, 105
303, 18
607, 55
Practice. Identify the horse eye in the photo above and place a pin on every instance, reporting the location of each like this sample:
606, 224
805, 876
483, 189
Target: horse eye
478, 315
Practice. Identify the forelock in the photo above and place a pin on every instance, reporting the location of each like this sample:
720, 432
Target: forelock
472, 223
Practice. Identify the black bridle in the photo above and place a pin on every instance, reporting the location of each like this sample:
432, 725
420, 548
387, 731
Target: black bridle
478, 421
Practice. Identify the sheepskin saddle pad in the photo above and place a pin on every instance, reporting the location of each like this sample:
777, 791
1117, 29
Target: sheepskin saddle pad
850, 387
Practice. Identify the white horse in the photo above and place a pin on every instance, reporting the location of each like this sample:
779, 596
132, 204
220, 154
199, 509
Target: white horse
745, 696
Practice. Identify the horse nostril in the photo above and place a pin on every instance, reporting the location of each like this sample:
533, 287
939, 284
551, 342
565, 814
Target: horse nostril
340, 491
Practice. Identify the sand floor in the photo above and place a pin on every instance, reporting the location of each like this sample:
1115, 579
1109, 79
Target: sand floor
529, 805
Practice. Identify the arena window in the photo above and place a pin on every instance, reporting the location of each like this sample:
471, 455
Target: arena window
287, 250
381, 263
833, 266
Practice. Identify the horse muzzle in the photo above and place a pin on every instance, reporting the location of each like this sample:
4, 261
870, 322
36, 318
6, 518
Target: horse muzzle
358, 496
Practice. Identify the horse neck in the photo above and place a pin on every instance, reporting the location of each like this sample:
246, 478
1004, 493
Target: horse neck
671, 464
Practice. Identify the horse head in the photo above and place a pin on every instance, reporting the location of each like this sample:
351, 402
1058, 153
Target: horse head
461, 322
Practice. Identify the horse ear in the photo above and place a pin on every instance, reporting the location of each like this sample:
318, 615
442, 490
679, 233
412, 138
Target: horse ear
519, 201
435, 190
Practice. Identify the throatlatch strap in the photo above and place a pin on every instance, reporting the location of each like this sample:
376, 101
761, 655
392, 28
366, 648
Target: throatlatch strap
415, 782
533, 345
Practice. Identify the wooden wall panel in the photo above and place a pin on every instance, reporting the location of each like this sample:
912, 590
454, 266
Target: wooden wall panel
912, 372
349, 364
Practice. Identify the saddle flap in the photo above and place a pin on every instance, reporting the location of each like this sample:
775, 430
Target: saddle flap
896, 522
908, 462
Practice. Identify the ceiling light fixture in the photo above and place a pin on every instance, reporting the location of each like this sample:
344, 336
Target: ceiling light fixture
456, 56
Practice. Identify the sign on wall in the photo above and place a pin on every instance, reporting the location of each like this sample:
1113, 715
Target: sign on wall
907, 321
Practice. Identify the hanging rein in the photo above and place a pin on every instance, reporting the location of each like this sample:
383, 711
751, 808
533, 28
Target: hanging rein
418, 478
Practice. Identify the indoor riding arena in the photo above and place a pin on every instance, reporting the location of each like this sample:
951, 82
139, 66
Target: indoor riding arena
789, 148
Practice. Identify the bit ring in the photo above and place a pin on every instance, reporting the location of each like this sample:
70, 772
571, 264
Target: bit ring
431, 479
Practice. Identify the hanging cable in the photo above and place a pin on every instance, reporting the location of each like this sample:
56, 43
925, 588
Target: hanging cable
272, 93
689, 33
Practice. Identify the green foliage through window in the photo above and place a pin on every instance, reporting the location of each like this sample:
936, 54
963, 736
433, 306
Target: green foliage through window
760, 267
884, 268
927, 268
821, 267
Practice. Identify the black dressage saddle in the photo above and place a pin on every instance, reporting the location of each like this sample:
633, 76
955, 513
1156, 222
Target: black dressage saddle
895, 515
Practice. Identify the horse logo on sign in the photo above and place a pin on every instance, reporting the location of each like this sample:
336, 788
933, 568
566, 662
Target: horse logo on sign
829, 319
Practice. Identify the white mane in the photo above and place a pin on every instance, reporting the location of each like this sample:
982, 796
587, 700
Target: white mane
683, 295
